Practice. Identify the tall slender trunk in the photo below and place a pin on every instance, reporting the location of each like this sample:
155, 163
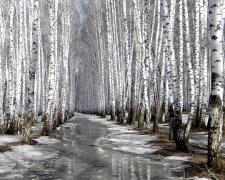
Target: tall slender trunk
110, 45
10, 89
197, 59
191, 76
2, 39
216, 97
32, 69
48, 117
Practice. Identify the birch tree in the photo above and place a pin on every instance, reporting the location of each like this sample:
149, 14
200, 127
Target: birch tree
48, 119
216, 96
11, 56
32, 69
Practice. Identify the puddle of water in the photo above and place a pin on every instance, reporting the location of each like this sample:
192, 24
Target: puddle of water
78, 157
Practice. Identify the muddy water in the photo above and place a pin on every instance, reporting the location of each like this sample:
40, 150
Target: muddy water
79, 158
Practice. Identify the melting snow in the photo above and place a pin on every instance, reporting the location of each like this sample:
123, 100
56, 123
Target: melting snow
122, 138
4, 139
126, 139
47, 140
21, 156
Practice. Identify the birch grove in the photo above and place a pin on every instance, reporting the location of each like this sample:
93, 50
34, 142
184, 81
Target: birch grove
161, 54
31, 59
143, 62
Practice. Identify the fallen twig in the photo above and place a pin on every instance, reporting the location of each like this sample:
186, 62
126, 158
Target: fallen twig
210, 172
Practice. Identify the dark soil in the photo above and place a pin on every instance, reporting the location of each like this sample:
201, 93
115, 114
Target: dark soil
197, 162
17, 143
5, 149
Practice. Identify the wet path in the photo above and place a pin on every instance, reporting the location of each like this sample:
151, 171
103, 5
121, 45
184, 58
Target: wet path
78, 157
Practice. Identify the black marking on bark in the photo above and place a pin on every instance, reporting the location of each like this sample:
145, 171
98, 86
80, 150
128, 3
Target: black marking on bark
214, 37
214, 77
215, 101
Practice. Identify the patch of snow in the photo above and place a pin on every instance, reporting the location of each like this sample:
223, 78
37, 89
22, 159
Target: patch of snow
20, 156
185, 119
122, 138
58, 128
136, 149
47, 140
126, 139
176, 163
176, 158
4, 139
69, 125
13, 176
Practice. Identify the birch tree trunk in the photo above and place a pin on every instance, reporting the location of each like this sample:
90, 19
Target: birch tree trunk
204, 62
9, 108
111, 78
48, 119
25, 60
65, 70
144, 105
216, 97
197, 59
191, 76
32, 69
127, 56
138, 40
2, 39
14, 125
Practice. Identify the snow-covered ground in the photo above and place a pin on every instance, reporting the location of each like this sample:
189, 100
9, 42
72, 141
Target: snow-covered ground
24, 156
4, 139
126, 139
121, 139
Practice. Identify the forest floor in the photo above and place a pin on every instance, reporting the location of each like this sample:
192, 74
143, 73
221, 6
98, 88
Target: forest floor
143, 147
197, 153
196, 164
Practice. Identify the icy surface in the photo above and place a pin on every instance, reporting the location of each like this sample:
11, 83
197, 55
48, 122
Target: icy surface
124, 138
23, 156
4, 139
89, 147
47, 140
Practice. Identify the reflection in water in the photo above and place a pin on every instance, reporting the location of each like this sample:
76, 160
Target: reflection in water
79, 158
148, 172
140, 171
129, 167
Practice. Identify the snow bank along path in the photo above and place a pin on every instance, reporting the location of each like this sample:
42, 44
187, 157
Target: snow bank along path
126, 139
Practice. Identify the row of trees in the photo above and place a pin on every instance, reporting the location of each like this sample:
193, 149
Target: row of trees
155, 58
37, 67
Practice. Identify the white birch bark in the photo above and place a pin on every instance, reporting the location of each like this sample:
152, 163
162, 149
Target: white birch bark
190, 73
138, 57
2, 24
48, 121
127, 55
144, 105
10, 89
197, 56
32, 69
111, 78
216, 97
25, 60
19, 69
174, 110
57, 59
181, 55
156, 57
115, 82
204, 62
65, 71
